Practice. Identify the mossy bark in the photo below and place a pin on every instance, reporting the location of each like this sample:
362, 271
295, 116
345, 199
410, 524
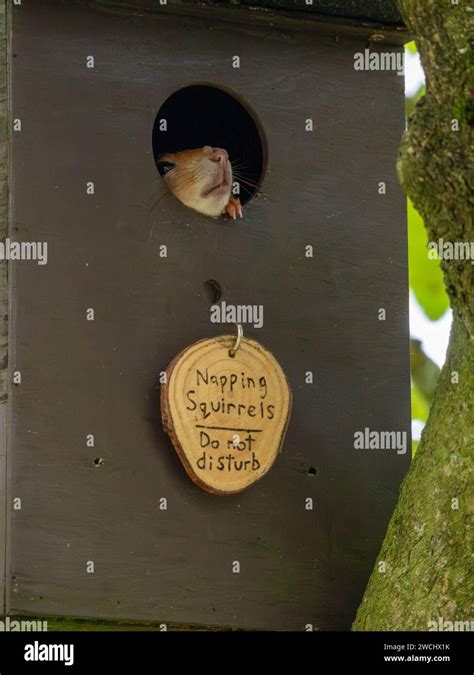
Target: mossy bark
427, 552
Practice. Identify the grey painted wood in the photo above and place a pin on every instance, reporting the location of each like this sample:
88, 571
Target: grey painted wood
101, 377
3, 300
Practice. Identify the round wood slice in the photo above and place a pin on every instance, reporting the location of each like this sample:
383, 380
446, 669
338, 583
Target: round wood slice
226, 416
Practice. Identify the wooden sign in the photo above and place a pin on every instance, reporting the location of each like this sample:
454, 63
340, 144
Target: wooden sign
226, 415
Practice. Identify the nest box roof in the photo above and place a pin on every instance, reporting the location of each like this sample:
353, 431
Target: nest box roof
383, 11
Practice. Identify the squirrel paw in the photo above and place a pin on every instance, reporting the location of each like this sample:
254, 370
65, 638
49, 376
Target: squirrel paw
233, 208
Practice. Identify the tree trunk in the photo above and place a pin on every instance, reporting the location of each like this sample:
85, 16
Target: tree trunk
427, 551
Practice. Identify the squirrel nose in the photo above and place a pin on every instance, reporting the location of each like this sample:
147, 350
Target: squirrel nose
219, 155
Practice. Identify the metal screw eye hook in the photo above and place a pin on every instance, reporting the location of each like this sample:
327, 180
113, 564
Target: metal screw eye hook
240, 335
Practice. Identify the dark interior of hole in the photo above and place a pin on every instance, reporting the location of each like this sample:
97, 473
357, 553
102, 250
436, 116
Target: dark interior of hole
202, 115
213, 291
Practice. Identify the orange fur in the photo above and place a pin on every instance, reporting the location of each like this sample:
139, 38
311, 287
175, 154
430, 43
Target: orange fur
202, 180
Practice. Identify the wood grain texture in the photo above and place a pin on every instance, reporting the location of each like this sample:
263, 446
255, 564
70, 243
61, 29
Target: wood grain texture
101, 377
74, 624
3, 299
226, 415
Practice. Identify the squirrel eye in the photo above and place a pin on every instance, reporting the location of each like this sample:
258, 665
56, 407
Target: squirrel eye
164, 167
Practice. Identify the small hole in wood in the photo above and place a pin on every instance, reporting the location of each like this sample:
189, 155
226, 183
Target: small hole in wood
213, 291
99, 462
313, 471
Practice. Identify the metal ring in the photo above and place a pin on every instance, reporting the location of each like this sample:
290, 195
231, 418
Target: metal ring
240, 335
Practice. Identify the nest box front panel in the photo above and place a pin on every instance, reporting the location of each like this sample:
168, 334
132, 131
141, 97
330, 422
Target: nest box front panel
110, 524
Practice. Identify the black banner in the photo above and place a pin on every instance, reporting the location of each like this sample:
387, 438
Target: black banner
143, 652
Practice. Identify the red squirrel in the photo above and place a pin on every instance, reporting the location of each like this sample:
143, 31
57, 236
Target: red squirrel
202, 180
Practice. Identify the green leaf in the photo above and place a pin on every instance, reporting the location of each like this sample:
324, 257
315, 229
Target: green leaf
419, 406
411, 46
414, 446
426, 278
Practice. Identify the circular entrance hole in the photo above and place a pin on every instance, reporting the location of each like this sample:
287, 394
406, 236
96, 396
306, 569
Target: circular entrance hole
203, 114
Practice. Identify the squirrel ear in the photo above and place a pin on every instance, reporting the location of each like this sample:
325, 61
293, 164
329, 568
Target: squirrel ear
164, 167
